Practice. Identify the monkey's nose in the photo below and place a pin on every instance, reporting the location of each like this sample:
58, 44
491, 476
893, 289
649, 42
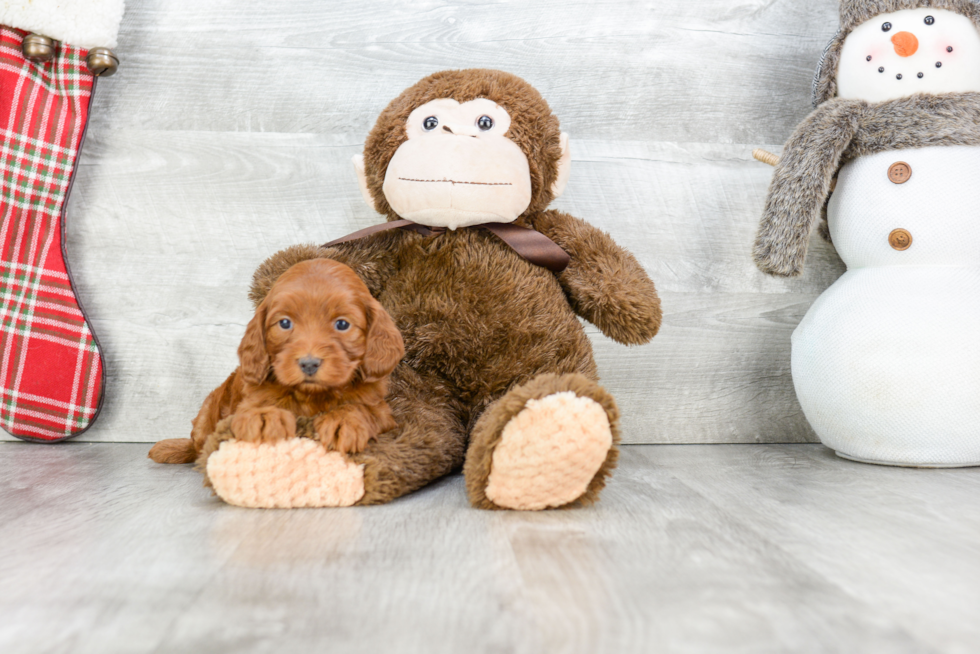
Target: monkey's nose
906, 44
309, 365
459, 130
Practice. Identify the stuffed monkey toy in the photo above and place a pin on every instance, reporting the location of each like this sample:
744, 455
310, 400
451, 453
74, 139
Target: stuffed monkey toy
886, 362
486, 285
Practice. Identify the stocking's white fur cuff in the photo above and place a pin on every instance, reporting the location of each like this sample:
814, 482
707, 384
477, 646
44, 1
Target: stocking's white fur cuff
82, 23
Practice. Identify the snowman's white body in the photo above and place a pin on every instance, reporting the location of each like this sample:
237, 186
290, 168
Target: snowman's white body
886, 362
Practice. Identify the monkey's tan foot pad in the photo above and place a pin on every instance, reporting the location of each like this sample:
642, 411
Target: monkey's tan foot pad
549, 452
287, 474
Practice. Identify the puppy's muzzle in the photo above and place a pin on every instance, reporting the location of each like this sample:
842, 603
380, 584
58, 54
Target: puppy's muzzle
309, 365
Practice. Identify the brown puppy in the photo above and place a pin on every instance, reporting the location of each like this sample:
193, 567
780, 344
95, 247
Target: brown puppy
318, 346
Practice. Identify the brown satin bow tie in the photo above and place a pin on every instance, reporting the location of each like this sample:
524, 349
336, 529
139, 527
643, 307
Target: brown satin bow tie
530, 244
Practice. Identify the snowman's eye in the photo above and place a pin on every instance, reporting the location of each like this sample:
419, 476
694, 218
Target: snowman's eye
949, 48
881, 70
886, 27
869, 57
930, 20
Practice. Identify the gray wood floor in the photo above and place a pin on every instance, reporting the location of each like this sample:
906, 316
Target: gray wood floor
729, 548
228, 130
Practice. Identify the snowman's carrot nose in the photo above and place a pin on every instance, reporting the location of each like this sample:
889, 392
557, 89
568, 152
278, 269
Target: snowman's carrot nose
905, 44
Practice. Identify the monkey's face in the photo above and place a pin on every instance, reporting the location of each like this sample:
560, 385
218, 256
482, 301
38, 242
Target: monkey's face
457, 167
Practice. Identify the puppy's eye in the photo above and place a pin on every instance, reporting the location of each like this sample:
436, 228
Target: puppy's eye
886, 27
286, 323
342, 325
430, 123
484, 123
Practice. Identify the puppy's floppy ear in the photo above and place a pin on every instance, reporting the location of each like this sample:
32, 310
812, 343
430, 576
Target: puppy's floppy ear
252, 354
385, 347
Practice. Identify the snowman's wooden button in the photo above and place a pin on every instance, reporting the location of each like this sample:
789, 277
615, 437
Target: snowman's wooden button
900, 239
899, 172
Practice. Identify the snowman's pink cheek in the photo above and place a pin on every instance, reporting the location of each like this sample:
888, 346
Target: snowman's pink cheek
875, 53
944, 54
943, 50
873, 58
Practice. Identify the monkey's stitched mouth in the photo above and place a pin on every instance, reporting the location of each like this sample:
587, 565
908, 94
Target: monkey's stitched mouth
453, 181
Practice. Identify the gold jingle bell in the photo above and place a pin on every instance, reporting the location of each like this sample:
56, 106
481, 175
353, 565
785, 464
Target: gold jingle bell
102, 62
38, 48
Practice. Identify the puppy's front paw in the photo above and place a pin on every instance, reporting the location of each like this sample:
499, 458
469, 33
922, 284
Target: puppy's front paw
266, 423
353, 435
345, 431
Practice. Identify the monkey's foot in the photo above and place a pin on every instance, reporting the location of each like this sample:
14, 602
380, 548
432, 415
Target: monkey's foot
291, 473
547, 444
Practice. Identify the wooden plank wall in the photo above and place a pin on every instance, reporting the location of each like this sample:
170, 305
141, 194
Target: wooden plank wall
228, 131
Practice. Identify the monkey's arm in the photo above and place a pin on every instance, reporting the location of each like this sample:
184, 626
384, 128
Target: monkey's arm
604, 283
801, 184
370, 257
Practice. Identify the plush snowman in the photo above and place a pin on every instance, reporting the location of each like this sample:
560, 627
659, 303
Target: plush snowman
886, 362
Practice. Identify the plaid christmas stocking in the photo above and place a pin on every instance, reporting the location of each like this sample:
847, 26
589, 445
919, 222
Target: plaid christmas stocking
51, 371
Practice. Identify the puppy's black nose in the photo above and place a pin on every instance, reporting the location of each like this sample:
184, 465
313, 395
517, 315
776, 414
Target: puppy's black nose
309, 365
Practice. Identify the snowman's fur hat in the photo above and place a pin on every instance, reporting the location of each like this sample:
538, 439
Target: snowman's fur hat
855, 12
836, 132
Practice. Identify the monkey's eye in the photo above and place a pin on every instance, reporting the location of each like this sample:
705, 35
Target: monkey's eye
484, 122
430, 123
886, 27
342, 325
286, 323
930, 20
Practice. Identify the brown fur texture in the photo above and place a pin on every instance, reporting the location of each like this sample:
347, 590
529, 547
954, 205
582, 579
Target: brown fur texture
835, 133
855, 12
173, 450
488, 429
343, 395
477, 319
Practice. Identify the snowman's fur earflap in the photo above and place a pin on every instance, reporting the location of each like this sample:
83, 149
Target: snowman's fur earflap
836, 132
855, 12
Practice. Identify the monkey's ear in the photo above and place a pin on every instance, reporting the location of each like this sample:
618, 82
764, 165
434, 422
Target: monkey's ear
358, 161
252, 354
564, 167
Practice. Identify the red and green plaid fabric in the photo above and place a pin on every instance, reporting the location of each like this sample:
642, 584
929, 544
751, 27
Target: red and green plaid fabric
51, 378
